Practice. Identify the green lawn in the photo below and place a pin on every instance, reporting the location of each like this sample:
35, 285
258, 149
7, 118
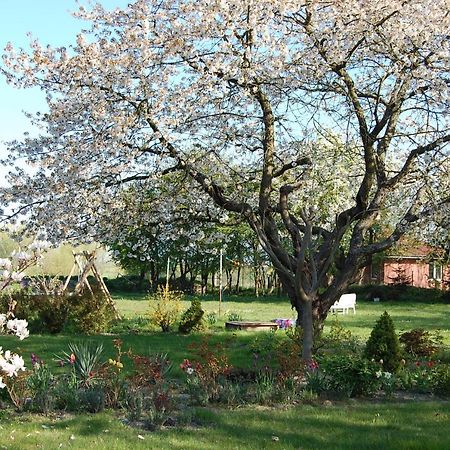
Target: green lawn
353, 425
345, 425
406, 315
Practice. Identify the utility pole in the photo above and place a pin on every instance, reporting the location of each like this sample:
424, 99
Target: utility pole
220, 280
167, 273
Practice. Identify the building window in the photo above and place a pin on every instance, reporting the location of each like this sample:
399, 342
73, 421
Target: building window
375, 271
435, 271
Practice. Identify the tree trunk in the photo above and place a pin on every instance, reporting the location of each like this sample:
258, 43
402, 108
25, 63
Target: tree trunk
229, 276
238, 279
204, 282
307, 323
154, 276
311, 312
141, 280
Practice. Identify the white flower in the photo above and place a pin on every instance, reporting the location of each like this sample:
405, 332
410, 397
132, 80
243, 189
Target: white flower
378, 374
11, 363
17, 276
5, 263
2, 385
20, 256
39, 246
5, 274
18, 362
189, 370
18, 327
2, 322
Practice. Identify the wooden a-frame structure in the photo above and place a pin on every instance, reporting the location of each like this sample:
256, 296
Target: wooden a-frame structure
85, 263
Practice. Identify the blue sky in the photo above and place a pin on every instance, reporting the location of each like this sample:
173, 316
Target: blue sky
51, 23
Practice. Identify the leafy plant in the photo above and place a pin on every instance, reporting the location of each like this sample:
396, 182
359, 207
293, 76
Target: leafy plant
91, 312
191, 319
91, 399
441, 380
158, 406
265, 389
420, 343
344, 375
234, 317
45, 313
111, 377
151, 404
51, 311
149, 370
66, 392
134, 404
211, 318
40, 383
232, 394
85, 360
206, 374
383, 344
264, 343
165, 307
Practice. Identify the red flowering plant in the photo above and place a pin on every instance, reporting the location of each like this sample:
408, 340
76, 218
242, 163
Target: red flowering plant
421, 374
148, 382
205, 376
186, 366
149, 370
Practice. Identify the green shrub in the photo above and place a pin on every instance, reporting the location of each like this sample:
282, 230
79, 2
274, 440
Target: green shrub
441, 380
419, 342
45, 313
383, 344
127, 283
54, 311
445, 297
397, 293
337, 339
266, 389
90, 312
234, 317
343, 375
191, 319
134, 404
232, 394
66, 392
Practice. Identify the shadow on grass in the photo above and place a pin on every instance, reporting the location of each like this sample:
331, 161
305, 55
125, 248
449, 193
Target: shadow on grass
356, 426
83, 424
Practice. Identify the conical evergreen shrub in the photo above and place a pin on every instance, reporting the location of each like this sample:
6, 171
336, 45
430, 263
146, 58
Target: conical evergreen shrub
192, 317
383, 344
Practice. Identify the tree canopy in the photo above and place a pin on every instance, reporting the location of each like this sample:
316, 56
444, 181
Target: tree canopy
263, 105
